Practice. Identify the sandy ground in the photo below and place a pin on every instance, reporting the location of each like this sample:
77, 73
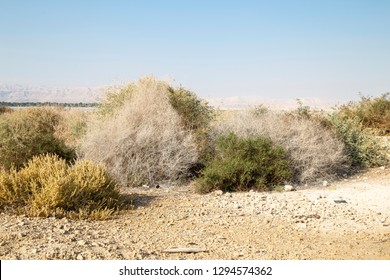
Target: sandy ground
302, 224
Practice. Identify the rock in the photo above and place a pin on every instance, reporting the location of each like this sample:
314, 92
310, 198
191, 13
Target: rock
302, 225
382, 167
218, 193
81, 242
22, 234
325, 183
289, 188
80, 257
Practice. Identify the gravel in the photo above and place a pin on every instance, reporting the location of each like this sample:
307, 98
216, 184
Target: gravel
301, 224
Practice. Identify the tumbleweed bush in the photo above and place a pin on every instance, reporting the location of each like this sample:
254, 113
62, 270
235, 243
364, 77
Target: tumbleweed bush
313, 151
143, 140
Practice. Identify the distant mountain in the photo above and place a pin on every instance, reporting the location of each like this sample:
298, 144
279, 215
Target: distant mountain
21, 93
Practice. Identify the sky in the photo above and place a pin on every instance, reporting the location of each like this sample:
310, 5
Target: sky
218, 49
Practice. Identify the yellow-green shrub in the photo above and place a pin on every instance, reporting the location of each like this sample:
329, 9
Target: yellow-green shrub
25, 133
47, 186
373, 113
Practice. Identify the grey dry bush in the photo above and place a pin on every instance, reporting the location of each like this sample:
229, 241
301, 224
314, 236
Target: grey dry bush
143, 141
314, 152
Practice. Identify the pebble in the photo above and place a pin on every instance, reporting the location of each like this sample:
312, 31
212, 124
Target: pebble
302, 225
325, 183
218, 193
81, 242
80, 257
289, 188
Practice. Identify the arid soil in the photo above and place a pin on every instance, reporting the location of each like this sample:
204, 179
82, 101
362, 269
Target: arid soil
348, 219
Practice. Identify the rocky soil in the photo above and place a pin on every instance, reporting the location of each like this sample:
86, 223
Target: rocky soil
348, 219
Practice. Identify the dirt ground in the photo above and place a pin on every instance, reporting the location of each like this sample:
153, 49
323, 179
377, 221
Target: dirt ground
348, 219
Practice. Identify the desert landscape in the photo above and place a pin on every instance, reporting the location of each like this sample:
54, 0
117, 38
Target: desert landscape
305, 224
155, 173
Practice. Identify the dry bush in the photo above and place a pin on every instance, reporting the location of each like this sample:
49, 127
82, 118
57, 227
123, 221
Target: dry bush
144, 141
4, 109
372, 113
72, 126
313, 151
47, 186
25, 133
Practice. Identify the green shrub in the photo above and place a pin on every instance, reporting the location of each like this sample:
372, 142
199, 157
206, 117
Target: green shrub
25, 133
361, 145
241, 164
47, 186
373, 113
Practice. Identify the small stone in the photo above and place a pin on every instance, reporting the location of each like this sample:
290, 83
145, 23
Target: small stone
34, 251
382, 168
80, 257
21, 224
302, 225
218, 193
22, 234
81, 242
237, 206
325, 183
289, 188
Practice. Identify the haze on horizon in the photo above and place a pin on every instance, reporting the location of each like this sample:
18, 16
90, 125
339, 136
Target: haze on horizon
329, 50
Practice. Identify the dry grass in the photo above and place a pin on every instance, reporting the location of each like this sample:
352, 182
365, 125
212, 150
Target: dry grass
144, 142
313, 151
47, 186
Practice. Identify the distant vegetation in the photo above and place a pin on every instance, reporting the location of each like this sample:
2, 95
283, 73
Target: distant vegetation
46, 104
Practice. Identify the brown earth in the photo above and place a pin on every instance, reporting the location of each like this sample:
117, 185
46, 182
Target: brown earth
302, 224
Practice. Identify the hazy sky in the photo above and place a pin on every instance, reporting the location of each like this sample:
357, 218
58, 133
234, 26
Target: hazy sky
269, 49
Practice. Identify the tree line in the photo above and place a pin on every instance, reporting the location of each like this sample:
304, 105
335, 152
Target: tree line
51, 104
